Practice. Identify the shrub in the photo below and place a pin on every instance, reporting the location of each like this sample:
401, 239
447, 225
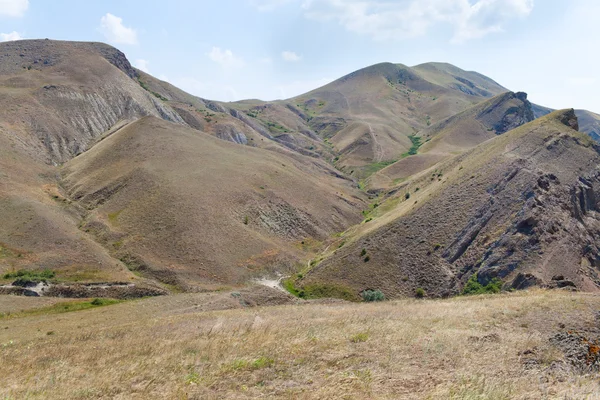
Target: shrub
420, 293
474, 287
407, 196
25, 277
373, 295
363, 252
367, 258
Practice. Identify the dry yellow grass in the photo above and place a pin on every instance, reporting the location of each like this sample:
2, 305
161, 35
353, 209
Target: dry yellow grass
164, 348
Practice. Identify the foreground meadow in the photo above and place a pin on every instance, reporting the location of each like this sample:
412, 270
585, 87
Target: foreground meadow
183, 347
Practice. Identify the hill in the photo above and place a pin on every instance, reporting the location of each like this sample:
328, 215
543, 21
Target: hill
83, 219
527, 218
189, 209
457, 134
589, 123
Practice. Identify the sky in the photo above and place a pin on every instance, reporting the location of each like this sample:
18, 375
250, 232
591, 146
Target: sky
271, 49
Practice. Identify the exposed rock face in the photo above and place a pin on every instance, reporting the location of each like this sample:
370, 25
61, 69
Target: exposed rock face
72, 93
515, 116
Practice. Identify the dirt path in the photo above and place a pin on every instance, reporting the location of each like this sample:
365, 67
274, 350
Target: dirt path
271, 283
377, 148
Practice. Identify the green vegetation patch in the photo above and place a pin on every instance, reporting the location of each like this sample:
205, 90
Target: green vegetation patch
474, 287
414, 149
241, 364
370, 169
319, 290
62, 308
23, 277
144, 85
372, 295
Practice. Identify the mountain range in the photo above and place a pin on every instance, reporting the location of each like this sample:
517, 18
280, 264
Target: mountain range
407, 180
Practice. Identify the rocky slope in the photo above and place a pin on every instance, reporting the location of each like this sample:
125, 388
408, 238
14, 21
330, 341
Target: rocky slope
529, 217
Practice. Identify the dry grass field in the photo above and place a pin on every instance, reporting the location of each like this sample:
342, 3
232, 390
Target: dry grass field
482, 347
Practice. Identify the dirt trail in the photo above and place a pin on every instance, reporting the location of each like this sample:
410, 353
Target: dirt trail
377, 148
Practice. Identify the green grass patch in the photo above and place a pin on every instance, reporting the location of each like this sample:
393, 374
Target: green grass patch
359, 337
318, 290
289, 284
112, 217
324, 290
23, 276
370, 169
62, 307
144, 85
414, 149
241, 364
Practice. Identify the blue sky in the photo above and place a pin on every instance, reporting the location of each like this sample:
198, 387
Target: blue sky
268, 49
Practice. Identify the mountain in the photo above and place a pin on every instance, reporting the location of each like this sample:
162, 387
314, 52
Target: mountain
457, 134
105, 181
528, 217
391, 177
589, 123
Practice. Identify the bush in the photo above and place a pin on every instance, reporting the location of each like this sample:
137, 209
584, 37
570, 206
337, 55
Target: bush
420, 293
44, 274
474, 287
26, 277
373, 295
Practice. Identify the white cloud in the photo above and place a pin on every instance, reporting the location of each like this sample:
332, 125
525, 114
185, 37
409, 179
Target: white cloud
142, 64
13, 8
290, 56
7, 37
225, 58
115, 32
384, 19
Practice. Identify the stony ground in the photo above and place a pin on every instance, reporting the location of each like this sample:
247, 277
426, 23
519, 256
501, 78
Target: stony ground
527, 345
